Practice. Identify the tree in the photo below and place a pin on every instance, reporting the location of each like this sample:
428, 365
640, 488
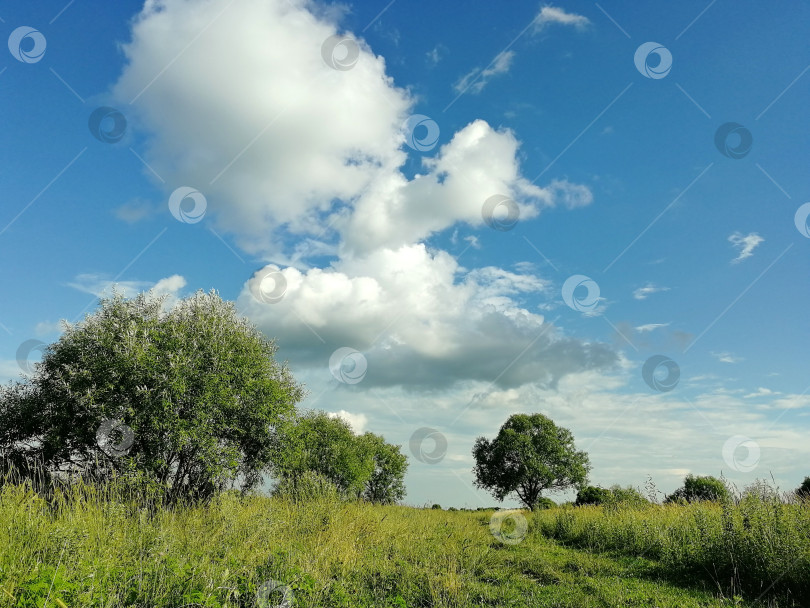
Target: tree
185, 396
698, 488
361, 467
803, 491
317, 442
544, 503
592, 495
386, 484
627, 497
529, 456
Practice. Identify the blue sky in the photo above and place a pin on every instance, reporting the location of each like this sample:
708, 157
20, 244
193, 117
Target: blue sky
310, 169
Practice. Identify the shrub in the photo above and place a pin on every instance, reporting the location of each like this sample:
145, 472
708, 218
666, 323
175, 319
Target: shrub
436, 506
698, 488
544, 503
628, 496
591, 495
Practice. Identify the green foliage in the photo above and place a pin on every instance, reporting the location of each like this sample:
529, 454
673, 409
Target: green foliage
803, 491
544, 503
698, 488
529, 455
308, 486
360, 467
436, 506
592, 495
197, 385
756, 545
625, 497
386, 484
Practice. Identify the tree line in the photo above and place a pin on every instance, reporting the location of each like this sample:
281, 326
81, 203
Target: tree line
187, 401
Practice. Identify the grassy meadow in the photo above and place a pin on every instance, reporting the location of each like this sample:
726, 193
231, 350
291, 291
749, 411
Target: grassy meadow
83, 548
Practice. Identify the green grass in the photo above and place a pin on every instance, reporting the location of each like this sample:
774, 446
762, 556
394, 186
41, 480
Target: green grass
759, 545
95, 551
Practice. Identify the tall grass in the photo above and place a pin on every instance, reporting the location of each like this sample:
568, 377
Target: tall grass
86, 547
758, 543
105, 546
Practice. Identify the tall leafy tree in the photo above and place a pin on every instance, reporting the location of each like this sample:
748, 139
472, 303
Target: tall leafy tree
187, 396
530, 455
326, 445
386, 484
361, 467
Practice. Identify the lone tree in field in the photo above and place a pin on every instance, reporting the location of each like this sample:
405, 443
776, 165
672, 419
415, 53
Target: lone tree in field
530, 455
185, 398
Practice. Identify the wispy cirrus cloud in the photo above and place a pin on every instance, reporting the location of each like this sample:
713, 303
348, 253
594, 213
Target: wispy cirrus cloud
726, 357
476, 79
762, 392
554, 14
650, 327
642, 293
745, 244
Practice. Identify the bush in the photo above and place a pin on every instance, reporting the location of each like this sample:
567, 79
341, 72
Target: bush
307, 487
628, 496
697, 488
544, 503
591, 495
436, 506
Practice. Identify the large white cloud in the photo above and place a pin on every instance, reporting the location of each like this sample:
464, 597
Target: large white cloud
421, 321
237, 101
240, 104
